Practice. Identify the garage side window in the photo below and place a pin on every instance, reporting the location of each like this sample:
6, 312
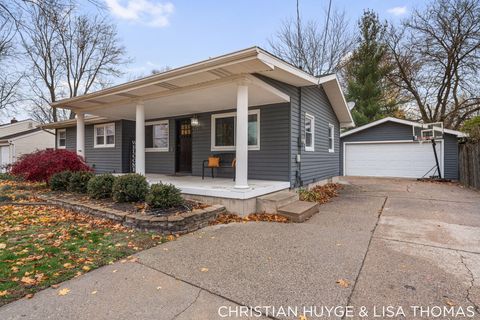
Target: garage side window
104, 135
309, 132
331, 138
61, 138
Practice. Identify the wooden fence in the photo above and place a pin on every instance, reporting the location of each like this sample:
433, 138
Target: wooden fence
469, 164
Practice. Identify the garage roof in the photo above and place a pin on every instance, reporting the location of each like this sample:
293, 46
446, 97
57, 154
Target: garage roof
459, 134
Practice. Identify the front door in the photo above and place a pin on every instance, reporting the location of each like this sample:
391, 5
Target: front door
184, 146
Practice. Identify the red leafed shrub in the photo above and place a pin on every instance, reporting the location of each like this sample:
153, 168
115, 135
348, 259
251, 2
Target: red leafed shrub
41, 165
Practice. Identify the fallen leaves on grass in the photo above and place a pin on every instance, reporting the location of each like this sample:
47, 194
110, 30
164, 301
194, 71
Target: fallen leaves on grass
320, 194
344, 283
226, 218
3, 293
44, 245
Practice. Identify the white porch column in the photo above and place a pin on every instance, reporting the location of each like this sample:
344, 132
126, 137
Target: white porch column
140, 138
81, 134
241, 173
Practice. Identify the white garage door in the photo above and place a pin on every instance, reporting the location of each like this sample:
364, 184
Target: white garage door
399, 159
4, 157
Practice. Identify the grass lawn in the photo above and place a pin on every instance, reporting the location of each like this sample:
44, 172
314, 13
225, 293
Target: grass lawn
42, 245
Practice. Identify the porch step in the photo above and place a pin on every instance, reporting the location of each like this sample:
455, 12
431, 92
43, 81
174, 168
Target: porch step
299, 211
270, 203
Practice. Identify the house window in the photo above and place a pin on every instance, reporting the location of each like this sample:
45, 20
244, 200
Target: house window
160, 136
331, 136
104, 135
61, 138
309, 132
223, 131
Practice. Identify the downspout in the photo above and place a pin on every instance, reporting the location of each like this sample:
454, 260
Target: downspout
298, 175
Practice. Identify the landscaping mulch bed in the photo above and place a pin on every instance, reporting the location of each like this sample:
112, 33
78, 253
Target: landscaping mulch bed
128, 207
44, 245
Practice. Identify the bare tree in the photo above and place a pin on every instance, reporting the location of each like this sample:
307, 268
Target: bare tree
437, 53
69, 55
313, 46
9, 78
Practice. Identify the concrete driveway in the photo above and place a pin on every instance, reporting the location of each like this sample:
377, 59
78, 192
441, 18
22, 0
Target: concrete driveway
398, 243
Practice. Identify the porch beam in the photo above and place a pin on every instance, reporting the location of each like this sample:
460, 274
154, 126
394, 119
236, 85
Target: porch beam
241, 172
140, 138
80, 134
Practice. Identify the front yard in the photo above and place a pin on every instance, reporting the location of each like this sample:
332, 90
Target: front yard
44, 245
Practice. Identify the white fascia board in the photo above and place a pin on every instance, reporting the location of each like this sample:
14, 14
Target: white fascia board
278, 63
332, 88
401, 121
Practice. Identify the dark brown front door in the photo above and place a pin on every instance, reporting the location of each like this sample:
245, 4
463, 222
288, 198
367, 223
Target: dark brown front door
184, 145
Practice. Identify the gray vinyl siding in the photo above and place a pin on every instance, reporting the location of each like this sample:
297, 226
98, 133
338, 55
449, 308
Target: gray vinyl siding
319, 164
101, 159
163, 161
450, 161
391, 131
268, 163
71, 135
128, 136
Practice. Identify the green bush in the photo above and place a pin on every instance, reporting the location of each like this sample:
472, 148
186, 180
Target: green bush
164, 196
79, 180
131, 187
60, 181
100, 187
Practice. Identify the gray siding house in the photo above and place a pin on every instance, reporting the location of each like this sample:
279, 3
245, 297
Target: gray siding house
277, 125
386, 148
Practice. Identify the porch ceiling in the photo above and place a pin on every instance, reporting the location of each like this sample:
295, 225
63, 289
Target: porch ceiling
212, 96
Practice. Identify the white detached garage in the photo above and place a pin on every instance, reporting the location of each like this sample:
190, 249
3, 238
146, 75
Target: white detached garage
385, 148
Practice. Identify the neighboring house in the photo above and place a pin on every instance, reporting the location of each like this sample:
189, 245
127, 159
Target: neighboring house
385, 148
22, 137
281, 124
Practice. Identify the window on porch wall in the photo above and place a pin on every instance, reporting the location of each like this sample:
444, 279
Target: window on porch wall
157, 136
224, 130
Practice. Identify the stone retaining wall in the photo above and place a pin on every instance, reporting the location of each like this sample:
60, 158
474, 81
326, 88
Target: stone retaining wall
175, 224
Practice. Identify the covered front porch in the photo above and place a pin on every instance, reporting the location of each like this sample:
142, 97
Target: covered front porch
167, 140
218, 187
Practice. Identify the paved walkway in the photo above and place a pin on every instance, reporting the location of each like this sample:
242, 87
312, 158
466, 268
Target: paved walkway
396, 242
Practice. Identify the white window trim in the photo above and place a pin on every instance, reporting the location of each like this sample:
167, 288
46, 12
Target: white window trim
312, 147
331, 129
167, 148
105, 145
233, 114
58, 138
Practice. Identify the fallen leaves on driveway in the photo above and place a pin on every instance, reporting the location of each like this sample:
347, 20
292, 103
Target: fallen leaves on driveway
63, 292
344, 283
226, 218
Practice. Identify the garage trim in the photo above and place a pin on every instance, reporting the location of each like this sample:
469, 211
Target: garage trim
442, 148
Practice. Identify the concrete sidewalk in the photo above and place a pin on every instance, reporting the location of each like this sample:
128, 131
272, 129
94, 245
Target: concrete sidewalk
397, 242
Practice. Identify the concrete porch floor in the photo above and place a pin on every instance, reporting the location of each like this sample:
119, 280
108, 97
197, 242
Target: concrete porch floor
218, 187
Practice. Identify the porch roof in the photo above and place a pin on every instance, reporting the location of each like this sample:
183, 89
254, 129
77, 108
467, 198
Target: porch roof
209, 85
